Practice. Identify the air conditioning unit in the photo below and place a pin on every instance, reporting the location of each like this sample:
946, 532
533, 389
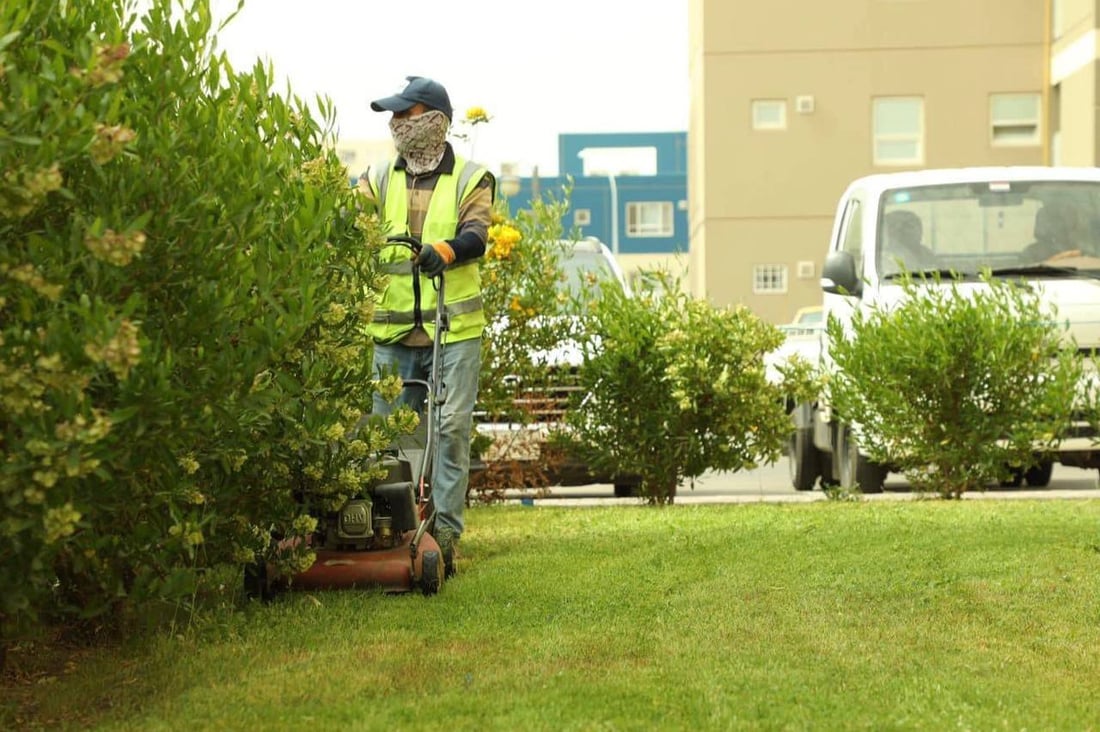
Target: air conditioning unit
582, 217
806, 270
804, 104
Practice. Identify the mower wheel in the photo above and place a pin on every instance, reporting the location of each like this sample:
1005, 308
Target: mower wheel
431, 572
256, 586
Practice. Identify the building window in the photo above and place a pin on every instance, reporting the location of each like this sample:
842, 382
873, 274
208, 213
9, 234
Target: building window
898, 131
649, 218
1014, 119
769, 279
769, 114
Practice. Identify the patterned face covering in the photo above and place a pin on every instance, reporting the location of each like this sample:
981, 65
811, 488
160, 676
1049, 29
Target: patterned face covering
421, 140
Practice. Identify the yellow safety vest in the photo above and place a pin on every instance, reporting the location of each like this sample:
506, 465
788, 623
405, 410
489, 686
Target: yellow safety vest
407, 301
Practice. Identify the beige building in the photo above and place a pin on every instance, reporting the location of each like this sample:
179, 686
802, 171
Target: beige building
361, 155
794, 98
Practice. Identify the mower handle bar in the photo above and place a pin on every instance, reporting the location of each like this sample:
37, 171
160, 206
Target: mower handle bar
409, 242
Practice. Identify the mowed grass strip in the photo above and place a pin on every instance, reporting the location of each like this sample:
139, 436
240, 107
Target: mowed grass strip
908, 615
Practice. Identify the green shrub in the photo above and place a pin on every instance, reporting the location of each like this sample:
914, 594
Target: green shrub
182, 287
957, 385
675, 387
525, 305
521, 289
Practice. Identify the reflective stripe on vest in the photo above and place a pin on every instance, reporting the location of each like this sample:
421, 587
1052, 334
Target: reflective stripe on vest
397, 312
408, 317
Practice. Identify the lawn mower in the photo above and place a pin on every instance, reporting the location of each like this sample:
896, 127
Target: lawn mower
382, 536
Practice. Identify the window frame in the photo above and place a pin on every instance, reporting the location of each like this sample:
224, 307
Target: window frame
917, 136
763, 274
636, 230
1036, 123
767, 126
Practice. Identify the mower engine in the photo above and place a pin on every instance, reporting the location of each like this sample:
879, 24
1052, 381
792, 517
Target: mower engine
371, 541
374, 521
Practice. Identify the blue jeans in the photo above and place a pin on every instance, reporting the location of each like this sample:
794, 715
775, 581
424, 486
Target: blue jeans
460, 367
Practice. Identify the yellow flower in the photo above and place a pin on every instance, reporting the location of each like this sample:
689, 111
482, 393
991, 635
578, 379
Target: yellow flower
115, 248
502, 239
46, 478
189, 464
109, 142
60, 522
29, 275
304, 524
120, 353
335, 314
474, 115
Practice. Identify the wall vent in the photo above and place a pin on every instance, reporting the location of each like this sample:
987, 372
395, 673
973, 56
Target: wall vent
804, 104
806, 270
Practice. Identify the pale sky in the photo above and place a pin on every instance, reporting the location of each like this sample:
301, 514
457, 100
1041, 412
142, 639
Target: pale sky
538, 69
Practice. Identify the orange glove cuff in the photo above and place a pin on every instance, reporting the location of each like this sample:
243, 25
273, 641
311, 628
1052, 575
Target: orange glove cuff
444, 250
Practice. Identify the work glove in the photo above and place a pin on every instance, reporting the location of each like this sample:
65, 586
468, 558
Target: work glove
434, 258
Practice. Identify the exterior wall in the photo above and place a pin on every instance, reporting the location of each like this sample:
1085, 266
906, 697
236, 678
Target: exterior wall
767, 197
697, 146
594, 194
359, 155
1073, 75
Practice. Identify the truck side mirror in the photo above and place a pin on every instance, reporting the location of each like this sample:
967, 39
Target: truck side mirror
838, 275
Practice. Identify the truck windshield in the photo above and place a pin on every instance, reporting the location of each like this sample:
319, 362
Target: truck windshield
1011, 226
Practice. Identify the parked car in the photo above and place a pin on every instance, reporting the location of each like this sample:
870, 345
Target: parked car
587, 266
807, 321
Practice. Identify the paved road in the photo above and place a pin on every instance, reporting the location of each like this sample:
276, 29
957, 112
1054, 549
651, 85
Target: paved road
771, 483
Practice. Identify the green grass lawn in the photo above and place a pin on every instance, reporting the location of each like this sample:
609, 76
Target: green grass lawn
923, 615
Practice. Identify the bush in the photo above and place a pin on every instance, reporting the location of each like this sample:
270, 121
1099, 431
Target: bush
676, 387
524, 303
957, 386
182, 289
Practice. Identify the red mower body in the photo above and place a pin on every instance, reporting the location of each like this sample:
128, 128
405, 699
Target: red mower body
394, 570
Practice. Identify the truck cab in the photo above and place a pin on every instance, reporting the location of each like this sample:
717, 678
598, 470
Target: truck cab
1037, 223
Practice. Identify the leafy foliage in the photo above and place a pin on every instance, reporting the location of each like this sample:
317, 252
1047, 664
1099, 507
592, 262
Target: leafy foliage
182, 289
675, 387
521, 292
526, 307
957, 385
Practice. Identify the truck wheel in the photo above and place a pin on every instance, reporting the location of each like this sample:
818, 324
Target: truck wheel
827, 480
802, 459
625, 489
1014, 479
1039, 475
855, 469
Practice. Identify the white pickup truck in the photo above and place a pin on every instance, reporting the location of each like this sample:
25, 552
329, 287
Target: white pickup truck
1041, 223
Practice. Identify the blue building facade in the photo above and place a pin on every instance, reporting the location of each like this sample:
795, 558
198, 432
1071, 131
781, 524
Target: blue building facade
633, 213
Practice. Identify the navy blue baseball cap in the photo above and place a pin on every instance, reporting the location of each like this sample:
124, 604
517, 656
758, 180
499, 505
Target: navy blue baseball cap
421, 89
